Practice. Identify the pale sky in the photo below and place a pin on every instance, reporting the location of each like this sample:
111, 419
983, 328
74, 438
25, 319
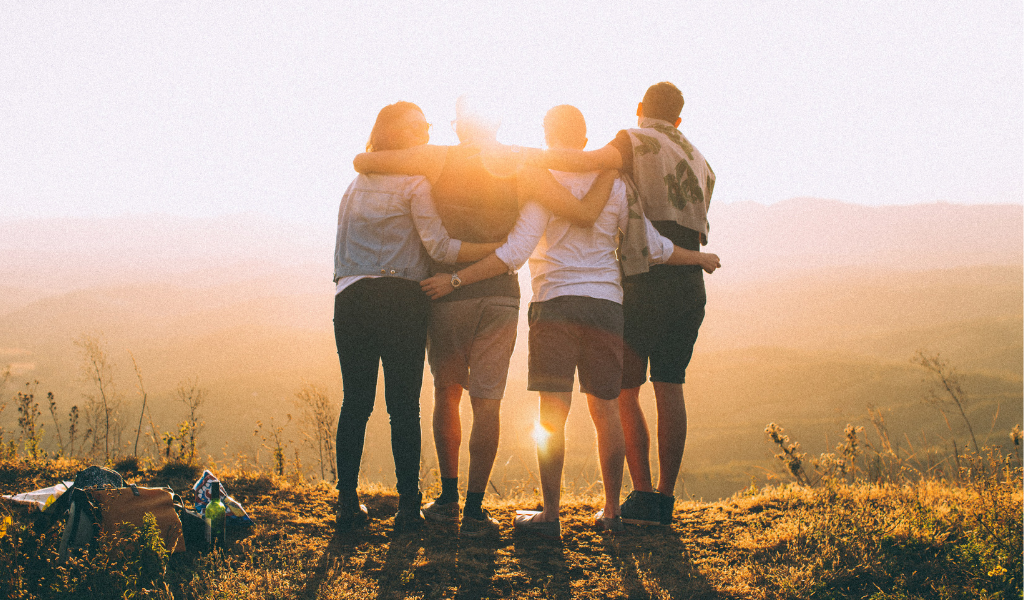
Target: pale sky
216, 108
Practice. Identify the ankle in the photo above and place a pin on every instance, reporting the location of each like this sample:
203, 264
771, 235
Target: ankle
449, 490
410, 501
474, 502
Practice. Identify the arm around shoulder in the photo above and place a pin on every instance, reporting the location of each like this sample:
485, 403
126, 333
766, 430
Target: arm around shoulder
426, 160
540, 186
705, 260
578, 161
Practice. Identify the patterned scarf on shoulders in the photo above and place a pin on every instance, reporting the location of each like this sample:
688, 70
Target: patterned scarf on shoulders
671, 182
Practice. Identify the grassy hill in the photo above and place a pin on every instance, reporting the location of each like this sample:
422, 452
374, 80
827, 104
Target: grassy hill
913, 540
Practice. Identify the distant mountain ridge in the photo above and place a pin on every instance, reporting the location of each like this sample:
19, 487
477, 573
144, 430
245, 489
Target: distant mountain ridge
816, 314
808, 234
42, 256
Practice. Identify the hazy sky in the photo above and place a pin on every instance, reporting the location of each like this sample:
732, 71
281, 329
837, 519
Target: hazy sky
213, 108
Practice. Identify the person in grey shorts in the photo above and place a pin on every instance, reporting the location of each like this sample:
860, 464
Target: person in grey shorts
387, 227
576, 320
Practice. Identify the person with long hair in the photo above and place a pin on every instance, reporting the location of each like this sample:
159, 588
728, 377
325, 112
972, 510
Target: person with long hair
388, 229
478, 189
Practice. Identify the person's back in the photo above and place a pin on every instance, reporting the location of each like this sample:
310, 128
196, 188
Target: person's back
376, 230
480, 206
474, 202
580, 261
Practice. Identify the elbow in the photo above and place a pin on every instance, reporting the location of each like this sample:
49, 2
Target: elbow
359, 163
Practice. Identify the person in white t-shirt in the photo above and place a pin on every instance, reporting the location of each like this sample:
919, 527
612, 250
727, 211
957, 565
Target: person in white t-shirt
575, 320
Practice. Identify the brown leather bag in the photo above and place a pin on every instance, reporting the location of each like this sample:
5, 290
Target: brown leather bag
130, 504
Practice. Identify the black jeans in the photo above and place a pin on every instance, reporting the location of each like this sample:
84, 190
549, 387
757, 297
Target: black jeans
379, 321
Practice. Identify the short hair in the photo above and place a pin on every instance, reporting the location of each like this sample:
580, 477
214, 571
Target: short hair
384, 135
477, 116
565, 124
663, 101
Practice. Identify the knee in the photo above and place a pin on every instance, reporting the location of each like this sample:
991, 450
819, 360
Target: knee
354, 412
486, 411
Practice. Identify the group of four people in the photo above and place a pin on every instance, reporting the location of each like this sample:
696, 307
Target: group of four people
429, 239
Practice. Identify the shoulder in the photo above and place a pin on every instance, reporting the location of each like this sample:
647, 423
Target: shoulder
577, 183
414, 184
622, 142
390, 183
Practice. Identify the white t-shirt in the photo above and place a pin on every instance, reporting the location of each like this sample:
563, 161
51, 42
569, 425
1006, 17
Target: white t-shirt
568, 260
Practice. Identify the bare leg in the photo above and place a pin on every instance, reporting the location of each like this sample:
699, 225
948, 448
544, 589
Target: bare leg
483, 442
637, 438
671, 434
554, 409
447, 429
611, 449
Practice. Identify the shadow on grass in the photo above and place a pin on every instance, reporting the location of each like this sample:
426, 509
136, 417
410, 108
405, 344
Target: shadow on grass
431, 562
476, 565
543, 562
655, 558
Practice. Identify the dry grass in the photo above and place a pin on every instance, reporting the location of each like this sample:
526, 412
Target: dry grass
920, 540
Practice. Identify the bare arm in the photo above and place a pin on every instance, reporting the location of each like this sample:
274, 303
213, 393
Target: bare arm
510, 256
426, 160
706, 260
663, 251
441, 284
540, 186
435, 237
577, 161
473, 251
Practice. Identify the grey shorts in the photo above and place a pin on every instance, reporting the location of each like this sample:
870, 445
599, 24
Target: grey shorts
470, 344
576, 332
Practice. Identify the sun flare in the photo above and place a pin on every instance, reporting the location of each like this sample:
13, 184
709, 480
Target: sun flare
540, 435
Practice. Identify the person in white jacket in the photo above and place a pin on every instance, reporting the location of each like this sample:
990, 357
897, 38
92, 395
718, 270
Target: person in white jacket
575, 320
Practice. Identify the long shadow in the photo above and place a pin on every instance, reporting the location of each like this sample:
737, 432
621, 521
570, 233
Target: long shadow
476, 565
397, 574
463, 565
359, 551
543, 561
658, 554
337, 556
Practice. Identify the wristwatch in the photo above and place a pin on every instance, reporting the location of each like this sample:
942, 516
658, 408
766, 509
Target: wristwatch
456, 281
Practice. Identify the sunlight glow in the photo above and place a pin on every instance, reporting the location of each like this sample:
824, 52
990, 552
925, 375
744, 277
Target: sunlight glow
540, 435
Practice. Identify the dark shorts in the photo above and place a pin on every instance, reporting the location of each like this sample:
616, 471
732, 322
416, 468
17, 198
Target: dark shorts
576, 331
663, 311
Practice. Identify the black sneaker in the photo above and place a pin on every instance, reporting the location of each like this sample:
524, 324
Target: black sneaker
441, 513
641, 508
409, 516
350, 513
485, 526
668, 506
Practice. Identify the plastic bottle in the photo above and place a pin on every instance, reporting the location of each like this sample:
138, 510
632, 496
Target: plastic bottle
215, 517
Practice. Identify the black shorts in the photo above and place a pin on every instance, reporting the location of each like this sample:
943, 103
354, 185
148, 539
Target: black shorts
576, 331
663, 311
